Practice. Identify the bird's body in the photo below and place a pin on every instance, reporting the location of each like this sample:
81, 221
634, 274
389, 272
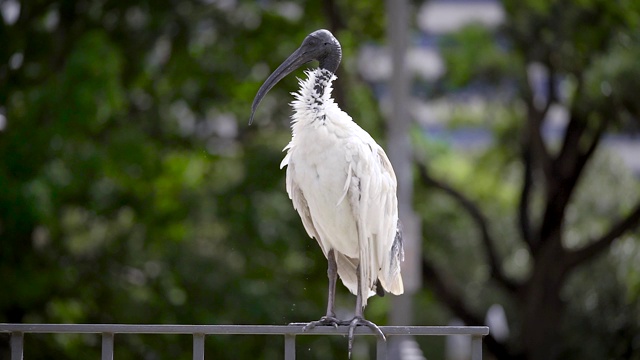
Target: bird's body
344, 188
341, 183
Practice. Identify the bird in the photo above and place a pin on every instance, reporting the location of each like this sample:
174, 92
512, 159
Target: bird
341, 183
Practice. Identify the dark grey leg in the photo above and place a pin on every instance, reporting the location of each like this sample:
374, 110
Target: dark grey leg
332, 273
330, 318
359, 318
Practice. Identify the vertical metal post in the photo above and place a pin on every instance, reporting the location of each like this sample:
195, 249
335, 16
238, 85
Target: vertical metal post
476, 347
381, 349
399, 146
400, 153
107, 346
289, 347
17, 345
198, 346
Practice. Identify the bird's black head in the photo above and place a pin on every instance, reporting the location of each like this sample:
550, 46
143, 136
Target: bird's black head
320, 45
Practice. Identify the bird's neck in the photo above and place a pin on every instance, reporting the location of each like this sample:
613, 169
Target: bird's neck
314, 97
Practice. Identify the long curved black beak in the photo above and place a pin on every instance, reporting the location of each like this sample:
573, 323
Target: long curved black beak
294, 61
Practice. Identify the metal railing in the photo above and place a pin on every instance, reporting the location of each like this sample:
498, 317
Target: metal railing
108, 331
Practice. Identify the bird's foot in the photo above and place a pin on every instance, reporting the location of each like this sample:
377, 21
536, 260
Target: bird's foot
359, 321
325, 321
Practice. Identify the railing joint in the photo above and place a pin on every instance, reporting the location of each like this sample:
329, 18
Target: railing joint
17, 345
289, 347
107, 345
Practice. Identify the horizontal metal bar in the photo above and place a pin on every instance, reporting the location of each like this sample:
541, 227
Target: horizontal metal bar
294, 329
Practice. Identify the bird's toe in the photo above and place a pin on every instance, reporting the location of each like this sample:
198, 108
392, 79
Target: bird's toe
359, 321
324, 321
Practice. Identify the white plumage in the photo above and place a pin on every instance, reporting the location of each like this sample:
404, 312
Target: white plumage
343, 186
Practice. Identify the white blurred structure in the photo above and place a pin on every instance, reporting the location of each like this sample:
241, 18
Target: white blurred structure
10, 10
496, 320
444, 16
458, 347
409, 350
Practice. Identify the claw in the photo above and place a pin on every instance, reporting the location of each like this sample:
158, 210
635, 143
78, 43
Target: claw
324, 321
362, 322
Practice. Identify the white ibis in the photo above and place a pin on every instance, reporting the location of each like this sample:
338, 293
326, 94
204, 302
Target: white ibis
341, 183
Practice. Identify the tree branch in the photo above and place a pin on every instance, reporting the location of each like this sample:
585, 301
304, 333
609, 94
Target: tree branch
565, 162
481, 223
444, 288
524, 217
533, 141
567, 169
595, 141
598, 246
552, 94
448, 294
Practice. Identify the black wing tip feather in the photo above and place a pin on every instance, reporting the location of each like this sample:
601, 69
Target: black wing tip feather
398, 243
379, 289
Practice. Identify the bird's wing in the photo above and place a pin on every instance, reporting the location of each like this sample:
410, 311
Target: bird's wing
372, 195
300, 203
391, 251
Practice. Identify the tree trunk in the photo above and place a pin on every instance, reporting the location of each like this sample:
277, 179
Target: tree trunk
543, 308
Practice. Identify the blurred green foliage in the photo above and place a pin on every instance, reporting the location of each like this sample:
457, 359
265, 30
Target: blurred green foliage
133, 191
131, 188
